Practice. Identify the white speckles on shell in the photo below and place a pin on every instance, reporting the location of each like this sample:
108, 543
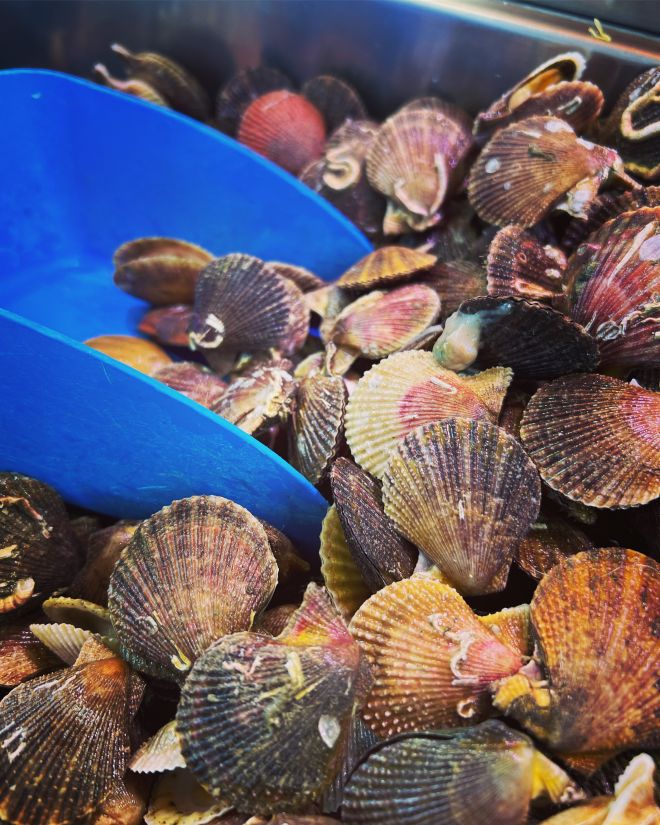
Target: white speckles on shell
492, 165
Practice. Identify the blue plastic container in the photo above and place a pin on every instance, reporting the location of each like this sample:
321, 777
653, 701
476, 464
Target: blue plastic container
84, 169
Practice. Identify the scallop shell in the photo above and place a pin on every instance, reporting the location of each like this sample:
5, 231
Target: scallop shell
160, 753
274, 620
432, 659
38, 548
596, 440
194, 381
193, 572
79, 613
400, 393
289, 564
526, 169
359, 741
304, 279
167, 325
455, 282
533, 339
64, 640
284, 127
103, 549
384, 267
380, 553
178, 799
162, 271
341, 574
143, 356
258, 400
241, 303
594, 617
22, 655
486, 775
512, 627
318, 424
550, 540
288, 701
466, 494
335, 99
241, 90
620, 302
437, 104
137, 88
170, 80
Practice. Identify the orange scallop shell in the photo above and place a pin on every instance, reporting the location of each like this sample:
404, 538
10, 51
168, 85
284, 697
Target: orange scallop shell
142, 355
550, 540
384, 267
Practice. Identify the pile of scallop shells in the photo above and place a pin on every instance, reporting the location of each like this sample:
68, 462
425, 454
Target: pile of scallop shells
480, 400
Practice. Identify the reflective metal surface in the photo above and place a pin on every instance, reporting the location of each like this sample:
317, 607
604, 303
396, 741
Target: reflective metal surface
392, 50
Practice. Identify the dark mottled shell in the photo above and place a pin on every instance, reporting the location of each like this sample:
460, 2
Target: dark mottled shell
432, 659
167, 325
380, 553
360, 739
617, 273
160, 753
288, 701
550, 539
38, 548
335, 99
512, 411
304, 279
386, 266
243, 88
194, 381
595, 620
341, 574
466, 494
193, 572
455, 282
289, 563
143, 356
103, 549
533, 339
257, 400
162, 271
596, 440
177, 798
275, 619
22, 655
170, 80
486, 775
137, 88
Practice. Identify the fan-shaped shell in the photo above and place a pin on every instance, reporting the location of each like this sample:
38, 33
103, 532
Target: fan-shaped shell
289, 564
257, 400
455, 282
143, 356
466, 494
63, 639
22, 655
241, 90
80, 613
596, 440
160, 753
432, 659
400, 393
177, 798
550, 539
533, 339
275, 619
335, 99
620, 302
303, 278
167, 325
385, 267
103, 549
193, 572
194, 381
341, 574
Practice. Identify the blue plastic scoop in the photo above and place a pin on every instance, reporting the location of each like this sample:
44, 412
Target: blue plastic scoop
83, 169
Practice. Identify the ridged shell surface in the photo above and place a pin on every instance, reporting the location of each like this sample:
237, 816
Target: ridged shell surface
22, 655
160, 753
456, 281
64, 640
241, 89
335, 99
340, 572
255, 401
385, 267
549, 541
194, 381
167, 325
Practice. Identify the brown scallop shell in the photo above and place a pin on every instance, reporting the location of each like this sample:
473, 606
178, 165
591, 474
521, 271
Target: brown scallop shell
137, 88
193, 572
335, 99
289, 564
341, 575
596, 440
284, 127
143, 356
126, 804
533, 339
550, 540
162, 271
177, 798
404, 391
380, 553
38, 548
431, 658
466, 494
619, 304
241, 90
22, 655
257, 400
595, 621
288, 701
455, 282
194, 381
386, 266
167, 325
317, 428
160, 753
103, 549
273, 621
304, 279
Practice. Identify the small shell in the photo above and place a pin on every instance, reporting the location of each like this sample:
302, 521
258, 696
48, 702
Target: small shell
520, 265
455, 282
304, 279
167, 325
38, 548
620, 302
550, 539
22, 655
194, 381
595, 619
137, 88
64, 640
287, 700
162, 271
257, 400
79, 613
170, 80
335, 99
596, 440
402, 392
486, 775
431, 658
241, 90
386, 266
289, 564
327, 301
466, 494
160, 753
193, 572
284, 127
380, 553
141, 355
275, 619
341, 574
178, 799
533, 339
103, 549
318, 424
242, 304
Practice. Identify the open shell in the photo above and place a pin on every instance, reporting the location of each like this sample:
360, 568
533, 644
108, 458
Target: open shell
167, 325
143, 356
241, 90
193, 572
335, 99
177, 798
341, 575
64, 640
303, 278
257, 400
386, 266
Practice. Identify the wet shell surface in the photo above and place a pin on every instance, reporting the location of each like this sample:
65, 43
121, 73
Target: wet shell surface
259, 399
402, 392
193, 572
617, 273
103, 549
466, 494
533, 339
341, 575
160, 753
431, 658
455, 282
274, 620
64, 640
137, 88
241, 90
550, 540
596, 440
303, 278
22, 654
194, 381
143, 356
335, 100
360, 739
177, 798
284, 127
384, 267
167, 325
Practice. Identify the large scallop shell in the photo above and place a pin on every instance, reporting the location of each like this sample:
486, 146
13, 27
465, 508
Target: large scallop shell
384, 267
287, 701
619, 304
596, 440
341, 574
167, 325
404, 391
194, 381
22, 654
103, 549
595, 620
143, 356
432, 659
335, 99
193, 572
241, 90
455, 282
38, 548
257, 400
466, 494
549, 540
533, 339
